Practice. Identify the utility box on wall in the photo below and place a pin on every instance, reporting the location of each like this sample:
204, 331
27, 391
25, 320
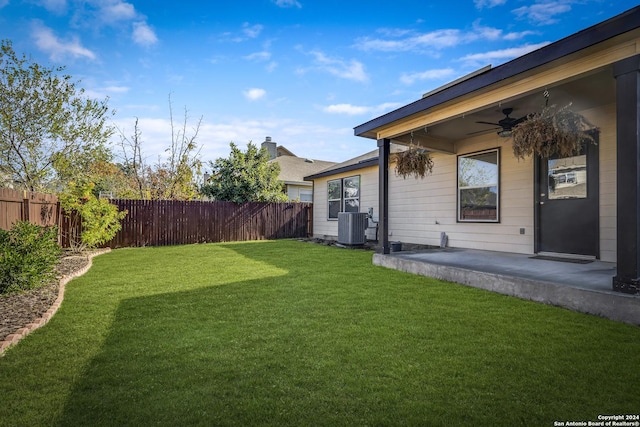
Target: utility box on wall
351, 228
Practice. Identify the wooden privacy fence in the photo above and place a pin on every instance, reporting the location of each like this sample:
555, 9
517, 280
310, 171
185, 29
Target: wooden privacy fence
19, 205
167, 222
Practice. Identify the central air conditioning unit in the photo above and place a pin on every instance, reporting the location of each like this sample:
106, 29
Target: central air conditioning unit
351, 228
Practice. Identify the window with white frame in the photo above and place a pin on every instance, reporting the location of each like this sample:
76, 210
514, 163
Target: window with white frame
343, 195
306, 196
479, 186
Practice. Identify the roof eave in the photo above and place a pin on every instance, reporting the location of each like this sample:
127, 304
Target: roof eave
360, 165
620, 24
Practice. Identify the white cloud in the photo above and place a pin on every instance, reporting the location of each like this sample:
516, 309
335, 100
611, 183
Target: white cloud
488, 3
117, 89
143, 34
426, 75
252, 31
258, 56
518, 35
254, 94
54, 6
438, 39
349, 70
501, 55
248, 32
352, 110
114, 13
543, 13
288, 3
484, 33
401, 40
104, 92
117, 11
56, 48
356, 110
271, 66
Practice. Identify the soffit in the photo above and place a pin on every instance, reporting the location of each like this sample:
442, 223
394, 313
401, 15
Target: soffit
584, 79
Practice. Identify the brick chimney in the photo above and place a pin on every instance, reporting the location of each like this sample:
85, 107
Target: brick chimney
270, 146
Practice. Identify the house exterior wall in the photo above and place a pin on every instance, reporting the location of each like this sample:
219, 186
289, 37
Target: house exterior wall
324, 228
421, 209
605, 118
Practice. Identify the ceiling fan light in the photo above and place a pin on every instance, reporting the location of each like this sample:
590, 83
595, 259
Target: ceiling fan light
504, 133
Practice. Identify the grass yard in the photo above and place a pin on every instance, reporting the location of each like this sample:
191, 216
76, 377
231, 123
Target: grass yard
291, 333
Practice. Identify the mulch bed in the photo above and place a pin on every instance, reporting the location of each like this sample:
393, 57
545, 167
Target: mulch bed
20, 309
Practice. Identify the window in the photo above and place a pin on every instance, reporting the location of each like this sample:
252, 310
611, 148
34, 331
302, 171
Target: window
306, 196
343, 195
568, 176
478, 186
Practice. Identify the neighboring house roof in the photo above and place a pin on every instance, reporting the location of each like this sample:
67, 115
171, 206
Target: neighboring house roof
360, 162
294, 169
573, 44
281, 151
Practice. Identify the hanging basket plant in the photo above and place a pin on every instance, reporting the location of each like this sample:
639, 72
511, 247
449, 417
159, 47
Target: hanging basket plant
413, 161
551, 131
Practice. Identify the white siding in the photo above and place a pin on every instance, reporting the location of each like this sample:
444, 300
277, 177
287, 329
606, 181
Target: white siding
421, 209
326, 228
605, 118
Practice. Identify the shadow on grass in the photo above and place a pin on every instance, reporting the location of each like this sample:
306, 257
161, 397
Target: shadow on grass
338, 342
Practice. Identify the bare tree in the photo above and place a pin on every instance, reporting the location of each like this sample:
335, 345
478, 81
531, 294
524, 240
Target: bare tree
133, 163
173, 177
184, 159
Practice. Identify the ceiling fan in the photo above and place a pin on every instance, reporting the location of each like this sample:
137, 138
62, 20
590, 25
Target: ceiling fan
507, 123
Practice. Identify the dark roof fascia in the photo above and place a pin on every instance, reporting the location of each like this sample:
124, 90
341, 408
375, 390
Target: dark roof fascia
620, 24
360, 165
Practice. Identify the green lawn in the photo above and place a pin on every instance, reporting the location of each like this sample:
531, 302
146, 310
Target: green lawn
292, 333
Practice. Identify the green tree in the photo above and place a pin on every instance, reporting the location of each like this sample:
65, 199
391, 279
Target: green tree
100, 220
49, 130
245, 177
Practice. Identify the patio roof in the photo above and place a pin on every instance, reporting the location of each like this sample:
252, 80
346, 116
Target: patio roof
575, 43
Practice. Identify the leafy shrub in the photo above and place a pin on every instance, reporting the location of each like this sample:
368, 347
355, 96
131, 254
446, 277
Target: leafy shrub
100, 219
28, 256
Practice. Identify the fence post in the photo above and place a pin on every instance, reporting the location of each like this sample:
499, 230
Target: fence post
25, 206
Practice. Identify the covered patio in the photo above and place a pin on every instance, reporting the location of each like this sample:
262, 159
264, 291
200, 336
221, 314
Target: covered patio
578, 285
597, 73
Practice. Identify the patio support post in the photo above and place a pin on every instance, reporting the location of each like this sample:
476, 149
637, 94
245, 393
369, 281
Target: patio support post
627, 75
384, 146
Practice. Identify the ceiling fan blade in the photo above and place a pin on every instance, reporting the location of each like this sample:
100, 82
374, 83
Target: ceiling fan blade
484, 131
520, 120
489, 123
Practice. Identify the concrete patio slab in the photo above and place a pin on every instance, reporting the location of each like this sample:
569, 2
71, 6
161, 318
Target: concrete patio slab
580, 287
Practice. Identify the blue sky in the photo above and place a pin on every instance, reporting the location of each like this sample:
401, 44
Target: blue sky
304, 72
